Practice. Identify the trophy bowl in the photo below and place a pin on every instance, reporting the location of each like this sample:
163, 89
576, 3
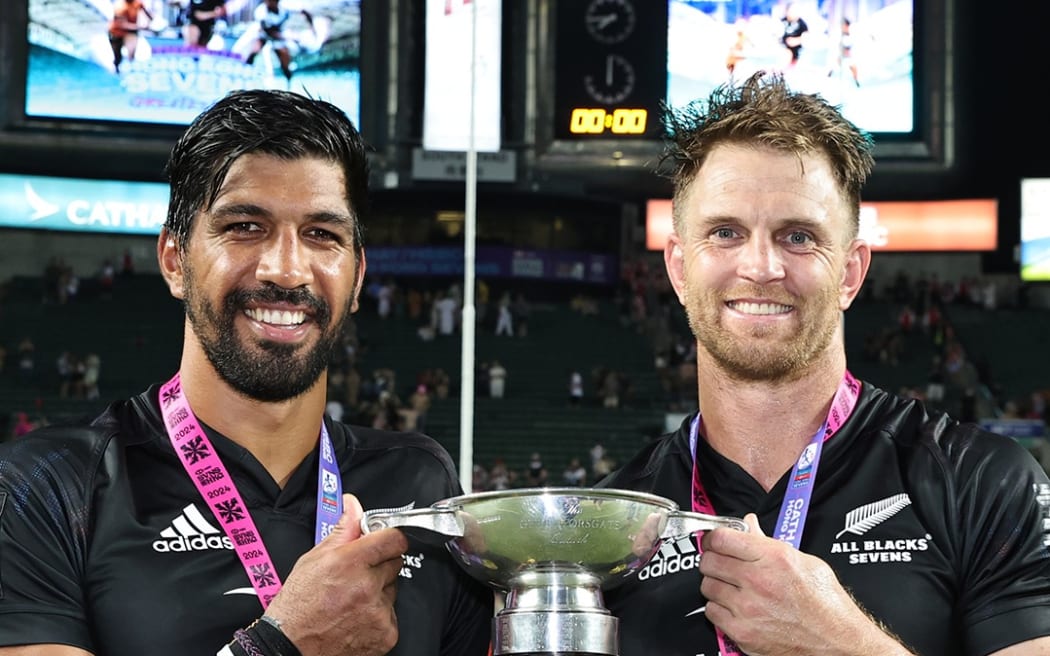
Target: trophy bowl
552, 550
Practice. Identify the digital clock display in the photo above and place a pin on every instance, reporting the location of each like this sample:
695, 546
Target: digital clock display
610, 84
588, 120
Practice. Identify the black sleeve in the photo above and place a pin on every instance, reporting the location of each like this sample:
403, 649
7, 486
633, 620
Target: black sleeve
1004, 552
44, 528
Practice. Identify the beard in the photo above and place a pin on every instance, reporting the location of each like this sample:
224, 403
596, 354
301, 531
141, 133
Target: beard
762, 354
270, 371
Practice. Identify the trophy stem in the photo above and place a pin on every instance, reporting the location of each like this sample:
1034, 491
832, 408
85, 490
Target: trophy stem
555, 612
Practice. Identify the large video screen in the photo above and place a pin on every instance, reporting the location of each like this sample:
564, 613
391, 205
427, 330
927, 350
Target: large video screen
857, 54
456, 32
1035, 229
163, 61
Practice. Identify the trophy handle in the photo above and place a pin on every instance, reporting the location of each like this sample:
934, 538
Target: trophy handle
681, 523
444, 521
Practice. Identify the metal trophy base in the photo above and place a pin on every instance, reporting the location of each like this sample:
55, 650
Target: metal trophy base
546, 632
553, 611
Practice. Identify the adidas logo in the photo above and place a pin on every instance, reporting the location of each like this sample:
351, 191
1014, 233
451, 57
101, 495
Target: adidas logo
190, 531
673, 557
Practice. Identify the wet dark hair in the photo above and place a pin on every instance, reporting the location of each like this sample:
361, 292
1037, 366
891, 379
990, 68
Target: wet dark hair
279, 123
763, 111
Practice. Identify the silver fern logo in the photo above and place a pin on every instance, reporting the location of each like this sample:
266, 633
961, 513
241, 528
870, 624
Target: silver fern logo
878, 550
867, 517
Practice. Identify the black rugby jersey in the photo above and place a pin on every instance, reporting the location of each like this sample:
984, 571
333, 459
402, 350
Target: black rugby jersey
106, 544
940, 530
204, 5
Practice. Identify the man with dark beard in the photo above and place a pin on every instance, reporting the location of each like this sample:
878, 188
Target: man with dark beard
218, 512
917, 534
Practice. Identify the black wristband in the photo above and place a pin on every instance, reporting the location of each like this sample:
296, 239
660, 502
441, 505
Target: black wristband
234, 648
266, 632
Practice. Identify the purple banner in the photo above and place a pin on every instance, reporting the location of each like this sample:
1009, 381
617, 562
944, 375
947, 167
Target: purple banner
494, 262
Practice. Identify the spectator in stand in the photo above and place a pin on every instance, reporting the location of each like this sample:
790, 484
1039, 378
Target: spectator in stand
385, 298
445, 314
1011, 410
1038, 407
481, 301
602, 468
931, 318
419, 405
481, 379
535, 472
597, 452
935, 382
575, 388
609, 388
64, 370
497, 380
585, 305
500, 476
479, 478
504, 317
638, 310
385, 380
575, 475
414, 303
76, 384
442, 383
68, 285
106, 276
521, 309
27, 359
335, 410
22, 425
127, 264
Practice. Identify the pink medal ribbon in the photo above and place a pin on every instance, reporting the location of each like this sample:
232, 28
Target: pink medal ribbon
216, 486
795, 507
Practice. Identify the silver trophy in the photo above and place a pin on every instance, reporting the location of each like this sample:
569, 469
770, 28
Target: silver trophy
552, 551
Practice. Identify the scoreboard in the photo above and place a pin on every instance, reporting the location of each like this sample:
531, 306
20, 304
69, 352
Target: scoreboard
610, 69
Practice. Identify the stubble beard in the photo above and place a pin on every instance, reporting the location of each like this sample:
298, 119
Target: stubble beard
760, 355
